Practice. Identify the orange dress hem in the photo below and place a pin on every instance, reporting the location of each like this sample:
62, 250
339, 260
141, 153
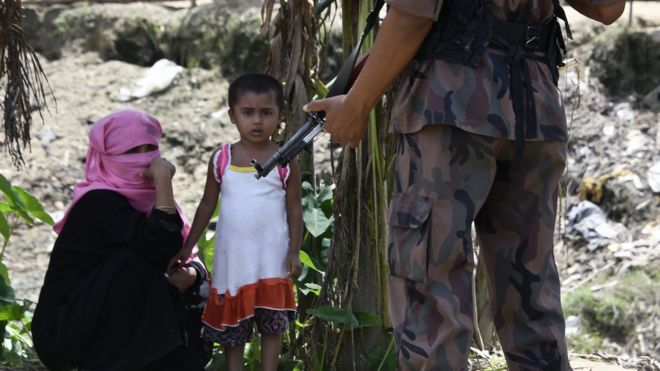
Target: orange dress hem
229, 310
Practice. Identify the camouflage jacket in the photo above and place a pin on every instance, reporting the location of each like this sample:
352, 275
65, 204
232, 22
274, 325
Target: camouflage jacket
477, 99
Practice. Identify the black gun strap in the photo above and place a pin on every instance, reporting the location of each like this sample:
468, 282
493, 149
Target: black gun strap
559, 12
340, 85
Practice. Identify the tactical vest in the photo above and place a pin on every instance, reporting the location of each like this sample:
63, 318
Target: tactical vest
466, 29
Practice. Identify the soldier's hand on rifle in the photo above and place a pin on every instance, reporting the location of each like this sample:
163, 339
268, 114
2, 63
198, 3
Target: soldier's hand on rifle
345, 119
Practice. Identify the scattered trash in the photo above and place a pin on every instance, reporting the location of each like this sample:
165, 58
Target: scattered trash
46, 136
653, 177
217, 115
158, 78
624, 112
590, 222
572, 325
636, 141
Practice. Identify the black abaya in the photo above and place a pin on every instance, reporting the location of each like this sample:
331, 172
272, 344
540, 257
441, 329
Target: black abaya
106, 303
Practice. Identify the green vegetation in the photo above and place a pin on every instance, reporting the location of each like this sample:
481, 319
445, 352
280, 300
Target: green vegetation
16, 206
621, 58
619, 309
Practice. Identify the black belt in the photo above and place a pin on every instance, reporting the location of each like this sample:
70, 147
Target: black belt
535, 40
522, 41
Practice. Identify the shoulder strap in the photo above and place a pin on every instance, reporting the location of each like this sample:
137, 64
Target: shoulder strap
561, 14
283, 172
222, 159
343, 79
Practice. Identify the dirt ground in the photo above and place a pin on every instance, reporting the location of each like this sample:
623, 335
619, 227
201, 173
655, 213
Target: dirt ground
193, 114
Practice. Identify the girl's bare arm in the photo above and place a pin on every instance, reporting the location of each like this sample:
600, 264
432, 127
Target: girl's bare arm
204, 210
294, 216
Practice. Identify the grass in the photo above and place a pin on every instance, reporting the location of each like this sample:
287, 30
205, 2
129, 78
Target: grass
619, 309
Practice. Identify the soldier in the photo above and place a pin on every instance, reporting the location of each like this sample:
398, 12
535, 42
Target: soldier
481, 138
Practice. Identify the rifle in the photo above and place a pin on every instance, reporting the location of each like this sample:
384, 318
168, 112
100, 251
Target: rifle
315, 121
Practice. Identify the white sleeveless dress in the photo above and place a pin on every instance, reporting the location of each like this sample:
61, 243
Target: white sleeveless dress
251, 245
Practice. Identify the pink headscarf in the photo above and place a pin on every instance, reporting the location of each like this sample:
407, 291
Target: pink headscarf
109, 167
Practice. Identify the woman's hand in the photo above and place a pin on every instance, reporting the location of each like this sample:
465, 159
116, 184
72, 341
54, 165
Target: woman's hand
181, 257
159, 168
182, 277
345, 119
161, 172
293, 266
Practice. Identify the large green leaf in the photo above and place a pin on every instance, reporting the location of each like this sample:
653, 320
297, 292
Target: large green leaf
325, 200
325, 194
320, 89
5, 187
4, 228
7, 294
206, 243
33, 205
336, 315
13, 200
366, 319
307, 260
307, 188
4, 274
15, 332
311, 287
4, 207
9, 309
317, 209
10, 312
316, 221
206, 249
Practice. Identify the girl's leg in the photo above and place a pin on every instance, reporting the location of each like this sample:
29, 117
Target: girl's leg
234, 357
271, 346
233, 340
271, 324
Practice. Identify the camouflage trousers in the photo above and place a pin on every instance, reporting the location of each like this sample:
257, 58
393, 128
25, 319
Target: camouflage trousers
445, 180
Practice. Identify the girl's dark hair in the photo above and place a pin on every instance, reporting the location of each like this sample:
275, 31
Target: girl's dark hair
256, 83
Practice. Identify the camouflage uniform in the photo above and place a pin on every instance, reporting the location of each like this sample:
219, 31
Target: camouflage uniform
456, 164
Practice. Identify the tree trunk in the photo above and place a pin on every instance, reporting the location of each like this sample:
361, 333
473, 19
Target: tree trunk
356, 276
360, 229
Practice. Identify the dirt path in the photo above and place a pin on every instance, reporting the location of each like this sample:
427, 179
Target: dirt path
586, 365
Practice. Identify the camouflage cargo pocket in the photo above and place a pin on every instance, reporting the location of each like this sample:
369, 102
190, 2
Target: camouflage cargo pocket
408, 236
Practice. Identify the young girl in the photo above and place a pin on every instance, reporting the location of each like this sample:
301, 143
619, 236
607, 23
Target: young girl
258, 233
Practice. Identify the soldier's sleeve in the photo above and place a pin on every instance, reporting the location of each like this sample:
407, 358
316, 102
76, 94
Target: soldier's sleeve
420, 8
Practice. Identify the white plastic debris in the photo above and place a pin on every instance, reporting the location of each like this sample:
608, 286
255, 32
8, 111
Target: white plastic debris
636, 141
217, 115
653, 177
609, 130
572, 325
624, 112
158, 78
